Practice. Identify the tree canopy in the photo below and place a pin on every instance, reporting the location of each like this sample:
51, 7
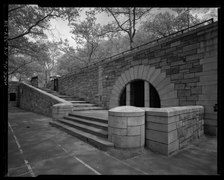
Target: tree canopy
30, 52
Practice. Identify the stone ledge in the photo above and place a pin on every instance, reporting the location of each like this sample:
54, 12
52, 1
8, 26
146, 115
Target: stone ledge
172, 111
126, 111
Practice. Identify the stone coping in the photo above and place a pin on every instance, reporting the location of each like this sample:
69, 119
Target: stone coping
63, 105
60, 100
172, 111
126, 111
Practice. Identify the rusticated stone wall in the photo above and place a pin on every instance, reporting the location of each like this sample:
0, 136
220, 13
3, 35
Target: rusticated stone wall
184, 69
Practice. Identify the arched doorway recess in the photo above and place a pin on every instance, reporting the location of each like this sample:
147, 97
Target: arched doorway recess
149, 75
141, 94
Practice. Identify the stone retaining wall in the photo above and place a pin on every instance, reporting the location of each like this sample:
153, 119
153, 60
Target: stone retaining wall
171, 129
187, 63
36, 100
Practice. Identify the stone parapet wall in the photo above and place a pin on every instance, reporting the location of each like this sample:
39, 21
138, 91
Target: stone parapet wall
171, 129
36, 100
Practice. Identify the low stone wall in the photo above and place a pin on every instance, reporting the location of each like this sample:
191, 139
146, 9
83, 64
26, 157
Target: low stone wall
171, 129
36, 100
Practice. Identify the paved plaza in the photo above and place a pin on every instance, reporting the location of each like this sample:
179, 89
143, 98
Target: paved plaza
36, 148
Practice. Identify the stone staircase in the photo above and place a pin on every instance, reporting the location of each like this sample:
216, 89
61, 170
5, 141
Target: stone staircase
85, 122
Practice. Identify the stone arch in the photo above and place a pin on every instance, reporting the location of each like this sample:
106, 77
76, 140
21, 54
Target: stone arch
165, 89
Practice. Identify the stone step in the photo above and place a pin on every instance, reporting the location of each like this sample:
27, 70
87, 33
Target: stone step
96, 141
92, 130
72, 99
77, 102
83, 105
87, 108
91, 122
95, 119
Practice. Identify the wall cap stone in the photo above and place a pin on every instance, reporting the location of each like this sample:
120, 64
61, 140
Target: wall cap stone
172, 111
60, 100
126, 111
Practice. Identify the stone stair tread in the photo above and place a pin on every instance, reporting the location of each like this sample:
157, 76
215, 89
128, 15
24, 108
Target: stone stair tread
84, 104
78, 101
91, 118
86, 108
88, 121
83, 126
84, 135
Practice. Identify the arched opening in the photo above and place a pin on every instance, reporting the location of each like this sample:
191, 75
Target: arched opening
139, 95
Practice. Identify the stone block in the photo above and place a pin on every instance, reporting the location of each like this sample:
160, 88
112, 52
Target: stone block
134, 130
160, 127
175, 43
145, 72
140, 71
124, 79
119, 131
163, 148
151, 70
184, 92
163, 84
126, 141
142, 129
128, 75
154, 76
117, 121
132, 73
162, 119
170, 95
162, 137
179, 86
191, 47
177, 76
210, 66
136, 121
135, 72
166, 89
